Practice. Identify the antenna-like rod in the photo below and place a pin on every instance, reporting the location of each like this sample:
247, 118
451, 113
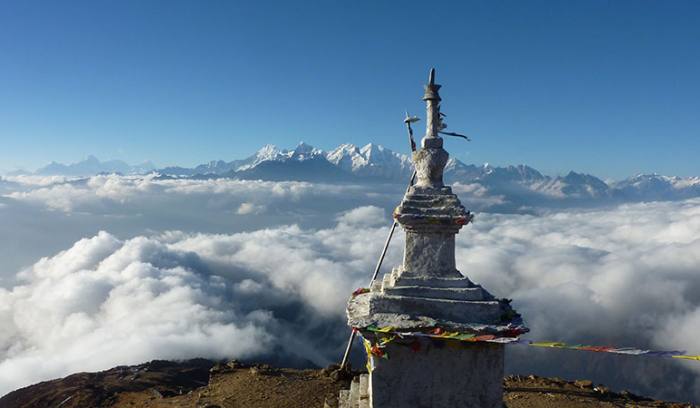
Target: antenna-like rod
432, 106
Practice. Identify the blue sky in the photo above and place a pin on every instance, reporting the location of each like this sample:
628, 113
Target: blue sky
606, 87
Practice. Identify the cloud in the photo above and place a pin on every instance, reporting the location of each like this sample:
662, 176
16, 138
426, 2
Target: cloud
105, 301
638, 264
31, 180
478, 195
627, 276
249, 208
108, 194
115, 193
368, 216
129, 206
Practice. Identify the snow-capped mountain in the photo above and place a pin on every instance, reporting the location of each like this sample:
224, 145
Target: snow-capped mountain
221, 167
371, 160
91, 166
511, 174
656, 187
305, 163
270, 153
215, 167
525, 186
573, 186
515, 186
345, 163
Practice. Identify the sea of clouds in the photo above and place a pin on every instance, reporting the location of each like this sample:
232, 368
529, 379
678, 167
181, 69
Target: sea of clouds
113, 270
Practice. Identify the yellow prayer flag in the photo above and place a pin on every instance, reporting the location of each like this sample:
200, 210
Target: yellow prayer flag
688, 357
548, 344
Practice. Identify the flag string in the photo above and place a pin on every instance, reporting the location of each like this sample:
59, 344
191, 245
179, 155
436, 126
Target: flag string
385, 335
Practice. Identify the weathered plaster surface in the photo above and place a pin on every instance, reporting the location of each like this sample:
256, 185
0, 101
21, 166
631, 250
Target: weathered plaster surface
438, 376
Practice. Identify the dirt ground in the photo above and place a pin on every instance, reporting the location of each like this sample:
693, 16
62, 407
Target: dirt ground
206, 384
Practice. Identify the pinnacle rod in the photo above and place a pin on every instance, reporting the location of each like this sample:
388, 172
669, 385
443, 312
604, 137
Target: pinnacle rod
381, 257
344, 363
346, 355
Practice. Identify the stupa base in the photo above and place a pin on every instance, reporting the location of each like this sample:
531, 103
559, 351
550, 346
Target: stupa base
438, 374
453, 304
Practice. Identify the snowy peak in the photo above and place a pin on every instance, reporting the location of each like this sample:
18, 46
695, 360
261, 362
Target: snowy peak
305, 151
214, 167
371, 161
656, 181
371, 149
379, 155
302, 151
511, 174
580, 185
657, 187
267, 152
346, 156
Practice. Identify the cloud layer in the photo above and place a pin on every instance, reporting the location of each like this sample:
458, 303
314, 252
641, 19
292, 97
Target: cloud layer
106, 301
99, 193
73, 208
627, 276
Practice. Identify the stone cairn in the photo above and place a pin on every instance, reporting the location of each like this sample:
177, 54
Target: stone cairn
414, 321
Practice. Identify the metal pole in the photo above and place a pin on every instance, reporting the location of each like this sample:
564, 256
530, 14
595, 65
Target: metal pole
374, 277
344, 362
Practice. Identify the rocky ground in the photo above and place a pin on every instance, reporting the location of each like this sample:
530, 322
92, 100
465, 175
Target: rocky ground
206, 384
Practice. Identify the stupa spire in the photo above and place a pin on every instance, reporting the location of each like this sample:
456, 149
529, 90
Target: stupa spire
427, 294
432, 101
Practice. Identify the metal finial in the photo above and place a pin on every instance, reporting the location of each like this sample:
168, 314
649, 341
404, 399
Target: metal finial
431, 78
410, 119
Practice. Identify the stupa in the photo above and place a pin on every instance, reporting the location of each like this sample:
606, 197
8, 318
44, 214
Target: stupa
433, 337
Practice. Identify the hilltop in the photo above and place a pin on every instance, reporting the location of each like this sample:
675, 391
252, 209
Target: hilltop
205, 383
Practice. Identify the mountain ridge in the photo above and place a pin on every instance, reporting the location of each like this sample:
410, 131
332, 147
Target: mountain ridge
91, 166
376, 163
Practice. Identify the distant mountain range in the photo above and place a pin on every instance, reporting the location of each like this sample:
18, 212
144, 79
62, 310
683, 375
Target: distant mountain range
92, 166
307, 163
518, 185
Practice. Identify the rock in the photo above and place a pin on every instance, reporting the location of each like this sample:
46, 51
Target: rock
339, 375
330, 402
602, 390
583, 383
329, 369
